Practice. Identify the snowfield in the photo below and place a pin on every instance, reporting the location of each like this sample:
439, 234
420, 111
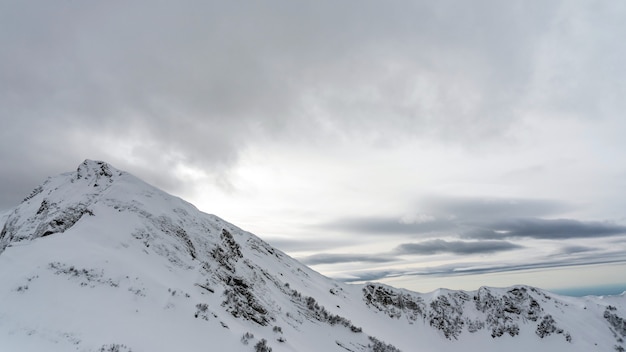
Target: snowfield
98, 260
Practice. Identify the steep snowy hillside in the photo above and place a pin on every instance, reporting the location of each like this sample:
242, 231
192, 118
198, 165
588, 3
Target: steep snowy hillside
3, 217
97, 260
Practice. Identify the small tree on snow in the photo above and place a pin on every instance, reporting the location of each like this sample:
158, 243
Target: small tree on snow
262, 346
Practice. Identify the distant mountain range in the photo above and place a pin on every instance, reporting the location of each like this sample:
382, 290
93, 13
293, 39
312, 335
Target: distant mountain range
98, 260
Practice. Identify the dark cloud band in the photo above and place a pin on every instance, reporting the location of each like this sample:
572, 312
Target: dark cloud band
345, 258
422, 248
456, 247
546, 229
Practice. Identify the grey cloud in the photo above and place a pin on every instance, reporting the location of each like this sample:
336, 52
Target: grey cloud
324, 258
455, 247
296, 245
475, 209
422, 248
483, 218
196, 83
556, 87
568, 250
389, 225
451, 215
371, 275
547, 229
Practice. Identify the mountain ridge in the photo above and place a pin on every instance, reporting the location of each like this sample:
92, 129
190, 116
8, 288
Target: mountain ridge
107, 259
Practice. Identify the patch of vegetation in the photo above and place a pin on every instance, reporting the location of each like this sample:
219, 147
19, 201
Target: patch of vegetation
320, 313
262, 346
379, 346
86, 277
548, 327
115, 347
247, 337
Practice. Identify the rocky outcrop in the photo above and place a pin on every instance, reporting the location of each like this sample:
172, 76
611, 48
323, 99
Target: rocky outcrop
501, 312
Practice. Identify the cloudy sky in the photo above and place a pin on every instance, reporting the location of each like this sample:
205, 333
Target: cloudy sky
420, 143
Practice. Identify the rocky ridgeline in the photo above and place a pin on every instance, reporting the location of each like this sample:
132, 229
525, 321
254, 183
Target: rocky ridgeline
240, 299
617, 326
50, 218
96, 173
58, 216
449, 311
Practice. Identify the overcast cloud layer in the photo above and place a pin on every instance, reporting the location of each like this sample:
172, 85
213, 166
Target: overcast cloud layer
363, 137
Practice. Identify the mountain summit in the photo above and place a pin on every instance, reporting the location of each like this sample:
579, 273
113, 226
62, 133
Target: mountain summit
98, 260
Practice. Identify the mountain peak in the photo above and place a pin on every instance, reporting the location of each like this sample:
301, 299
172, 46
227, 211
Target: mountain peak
96, 172
59, 203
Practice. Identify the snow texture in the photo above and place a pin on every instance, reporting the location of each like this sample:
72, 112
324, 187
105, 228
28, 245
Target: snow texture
98, 260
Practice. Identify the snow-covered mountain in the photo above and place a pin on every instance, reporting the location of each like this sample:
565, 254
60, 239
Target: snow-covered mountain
98, 260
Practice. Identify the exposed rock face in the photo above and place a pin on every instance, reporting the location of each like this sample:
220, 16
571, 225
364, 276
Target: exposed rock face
499, 312
100, 246
56, 216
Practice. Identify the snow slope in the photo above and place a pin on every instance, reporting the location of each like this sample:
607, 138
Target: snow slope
3, 217
98, 260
